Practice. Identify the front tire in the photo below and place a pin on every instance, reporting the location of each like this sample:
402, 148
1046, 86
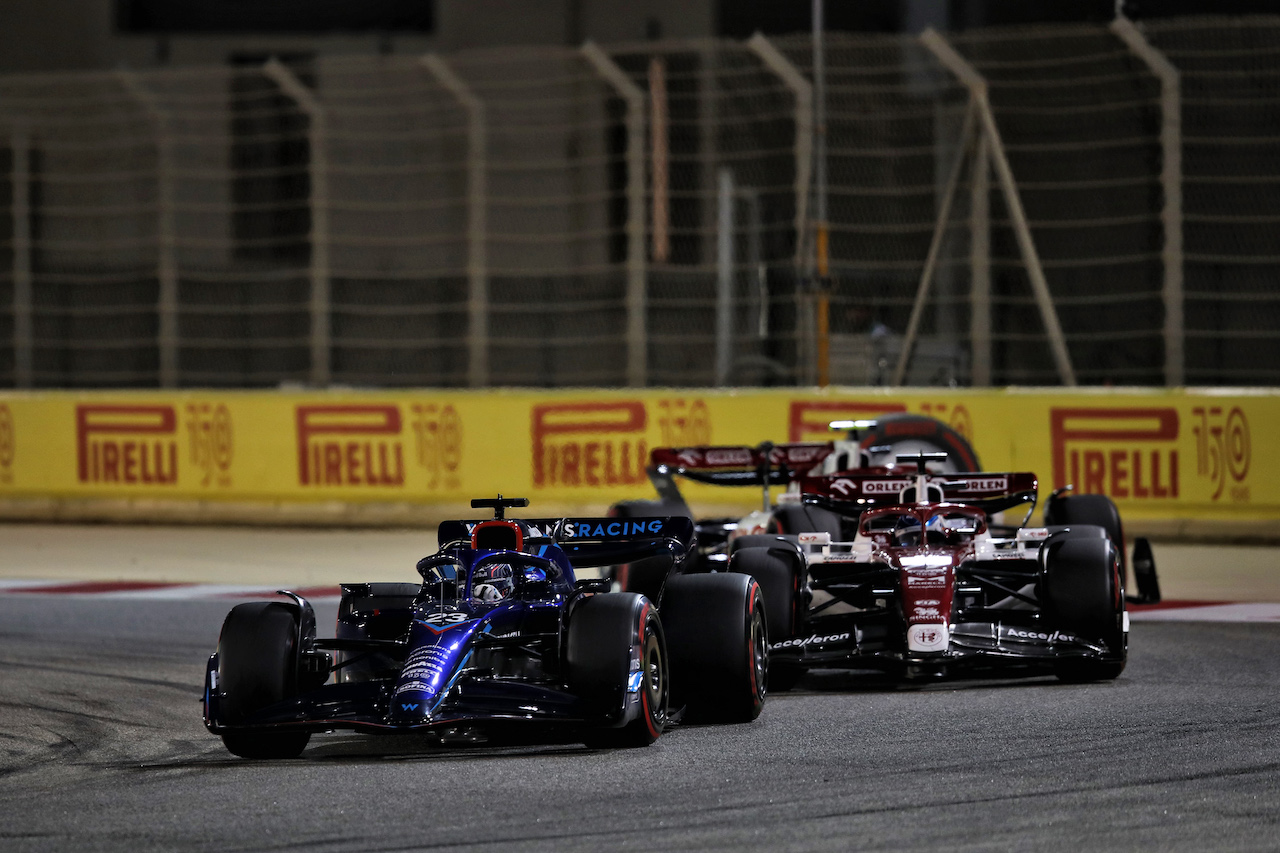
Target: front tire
608, 634
1083, 593
257, 668
718, 636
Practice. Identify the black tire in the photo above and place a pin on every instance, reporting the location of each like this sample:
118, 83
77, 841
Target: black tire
258, 667
1069, 509
646, 509
1082, 595
644, 577
762, 540
779, 571
719, 641
804, 518
604, 633
903, 433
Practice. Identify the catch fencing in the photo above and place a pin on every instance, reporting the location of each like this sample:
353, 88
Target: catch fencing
643, 214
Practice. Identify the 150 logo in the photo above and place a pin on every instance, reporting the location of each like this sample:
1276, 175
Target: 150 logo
6, 444
437, 434
210, 441
1223, 449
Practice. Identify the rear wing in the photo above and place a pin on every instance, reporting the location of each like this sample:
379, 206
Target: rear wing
596, 541
740, 464
850, 493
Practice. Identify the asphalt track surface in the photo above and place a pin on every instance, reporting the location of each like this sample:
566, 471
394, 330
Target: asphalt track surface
101, 748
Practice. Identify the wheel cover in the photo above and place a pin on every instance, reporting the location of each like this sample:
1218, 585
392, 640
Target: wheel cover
759, 654
655, 683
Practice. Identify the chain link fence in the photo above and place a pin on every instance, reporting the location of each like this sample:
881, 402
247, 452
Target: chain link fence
641, 214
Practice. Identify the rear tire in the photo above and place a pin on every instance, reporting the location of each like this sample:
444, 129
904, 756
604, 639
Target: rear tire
258, 667
606, 632
1082, 592
719, 641
780, 572
793, 519
904, 433
1069, 509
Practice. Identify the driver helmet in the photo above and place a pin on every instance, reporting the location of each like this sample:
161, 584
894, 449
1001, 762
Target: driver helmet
907, 531
493, 582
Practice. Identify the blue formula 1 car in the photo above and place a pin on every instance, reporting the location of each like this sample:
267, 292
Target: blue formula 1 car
499, 635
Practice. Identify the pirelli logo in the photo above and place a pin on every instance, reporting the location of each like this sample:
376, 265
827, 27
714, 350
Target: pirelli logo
589, 444
1120, 452
350, 445
127, 445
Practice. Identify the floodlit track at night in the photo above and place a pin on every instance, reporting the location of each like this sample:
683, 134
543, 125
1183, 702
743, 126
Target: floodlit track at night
103, 749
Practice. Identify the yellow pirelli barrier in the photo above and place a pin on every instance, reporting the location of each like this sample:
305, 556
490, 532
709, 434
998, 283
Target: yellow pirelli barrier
1184, 454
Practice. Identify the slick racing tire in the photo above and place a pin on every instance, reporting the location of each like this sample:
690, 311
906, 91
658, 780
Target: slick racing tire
606, 633
644, 577
780, 572
902, 433
719, 643
792, 519
258, 667
1083, 596
1069, 509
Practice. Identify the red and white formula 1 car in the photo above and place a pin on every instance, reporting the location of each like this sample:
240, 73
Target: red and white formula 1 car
926, 587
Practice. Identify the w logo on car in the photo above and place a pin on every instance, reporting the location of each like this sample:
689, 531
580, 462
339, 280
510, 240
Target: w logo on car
409, 707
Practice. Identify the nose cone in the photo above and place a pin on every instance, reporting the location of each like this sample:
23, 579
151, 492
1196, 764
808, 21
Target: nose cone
437, 652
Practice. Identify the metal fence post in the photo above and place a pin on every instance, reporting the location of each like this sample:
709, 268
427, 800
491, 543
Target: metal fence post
637, 297
477, 198
803, 92
969, 76
724, 276
321, 339
935, 247
1171, 183
980, 266
166, 241
20, 186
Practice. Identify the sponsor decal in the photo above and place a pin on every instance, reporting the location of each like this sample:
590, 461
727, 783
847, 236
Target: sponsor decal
928, 602
927, 638
986, 484
1223, 450
1045, 636
843, 557
446, 618
350, 445
409, 706
210, 442
1032, 534
918, 582
1121, 452
6, 444
884, 487
682, 422
814, 538
589, 444
919, 612
127, 445
437, 443
601, 529
729, 456
817, 640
